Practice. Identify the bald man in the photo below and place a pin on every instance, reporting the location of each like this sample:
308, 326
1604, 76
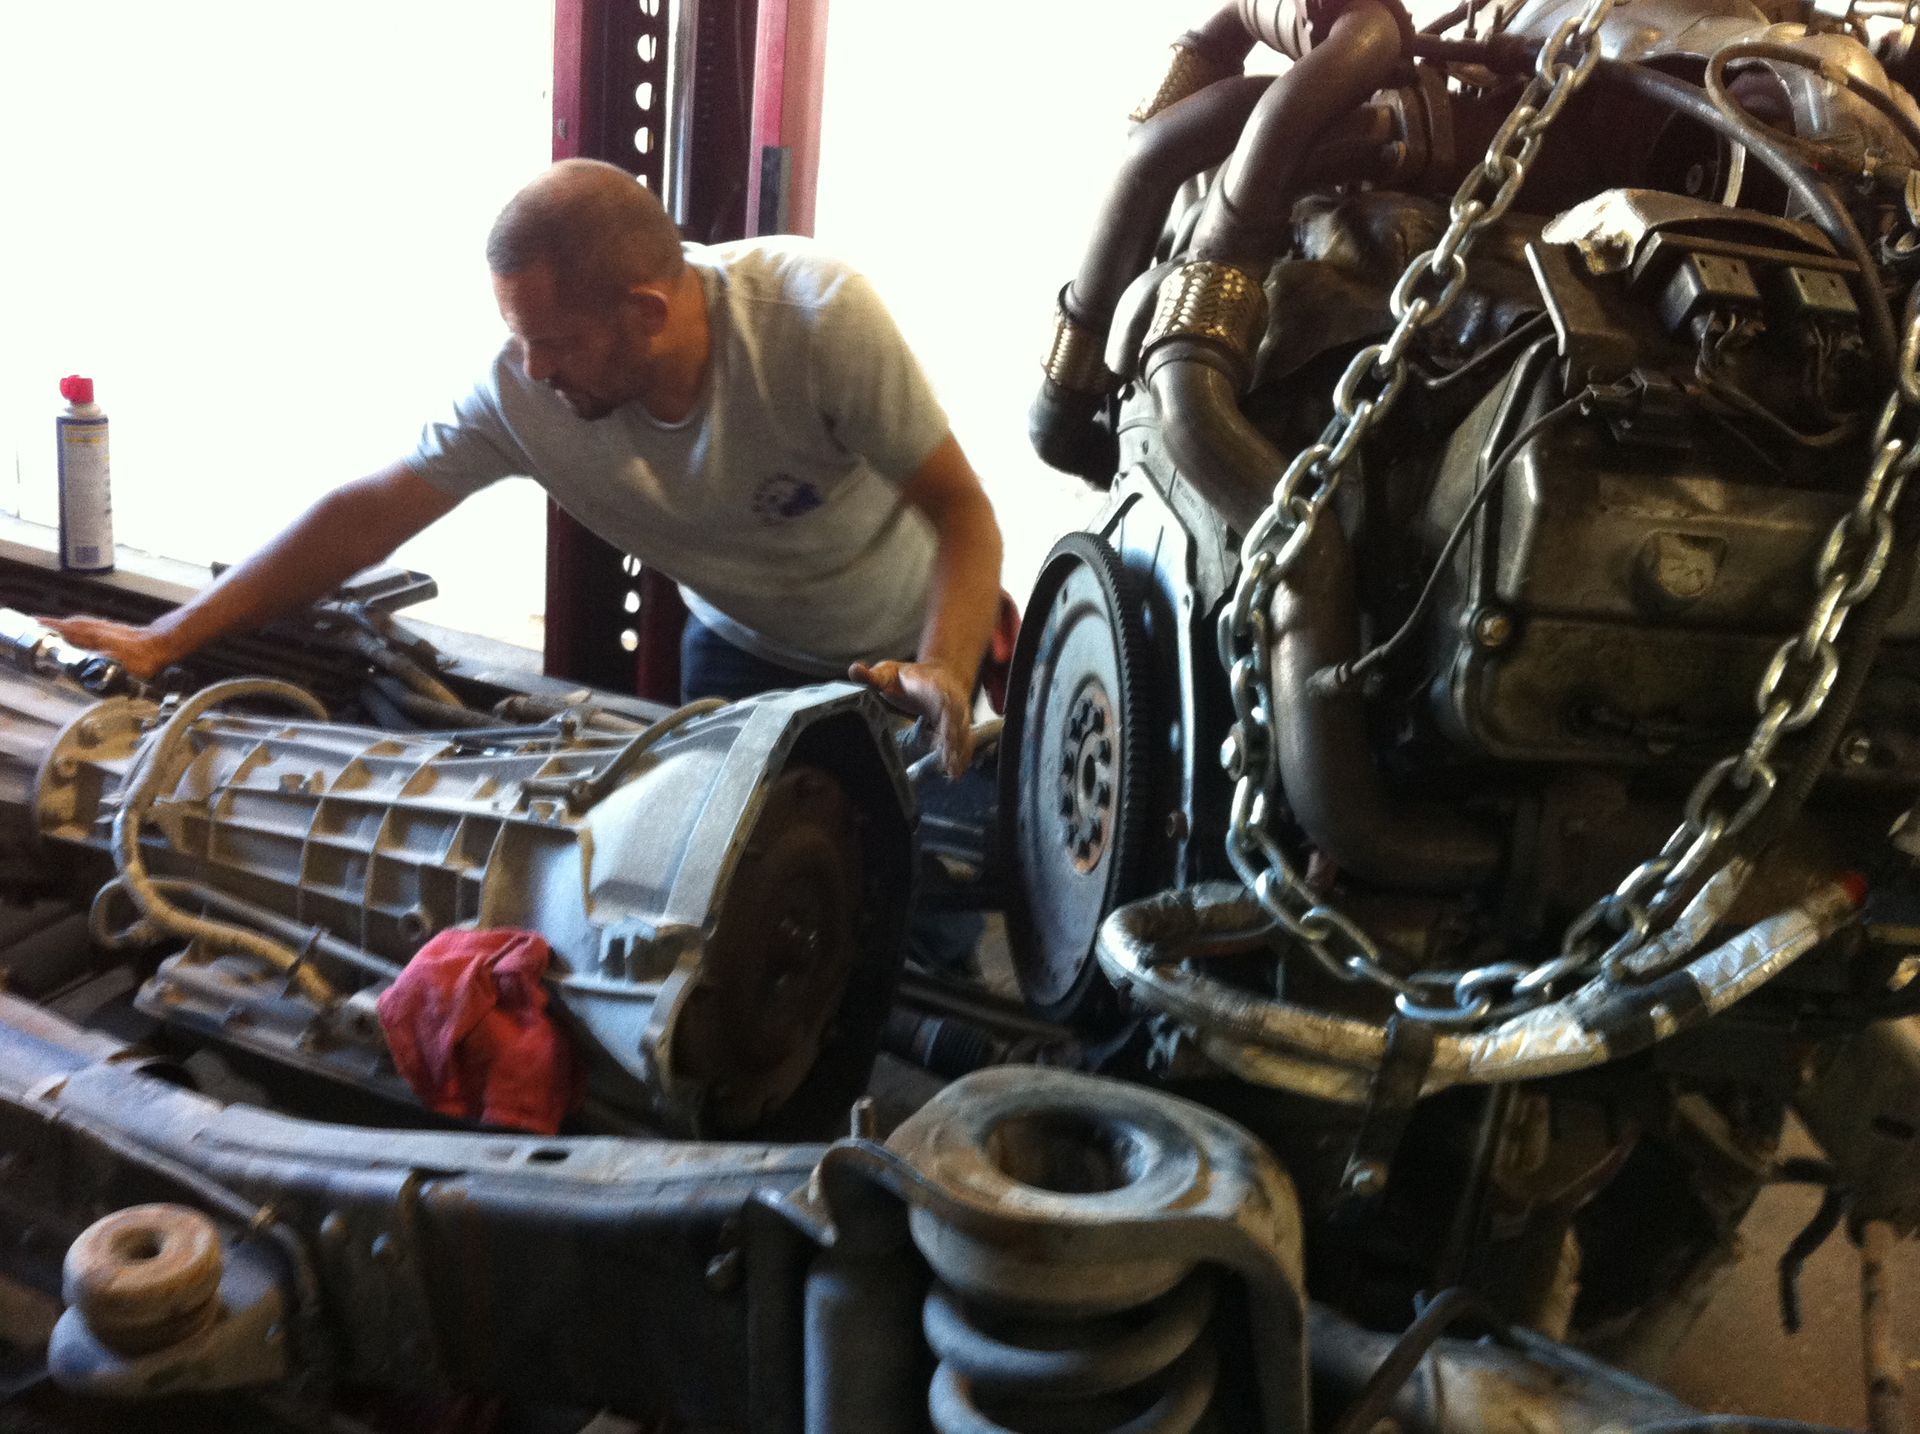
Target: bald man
745, 418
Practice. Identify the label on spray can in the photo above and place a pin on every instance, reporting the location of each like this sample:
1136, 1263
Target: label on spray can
86, 502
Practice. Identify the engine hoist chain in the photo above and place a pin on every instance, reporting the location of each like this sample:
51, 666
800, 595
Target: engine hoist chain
1792, 692
1727, 798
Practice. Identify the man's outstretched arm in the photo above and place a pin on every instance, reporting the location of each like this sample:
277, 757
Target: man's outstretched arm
961, 603
353, 527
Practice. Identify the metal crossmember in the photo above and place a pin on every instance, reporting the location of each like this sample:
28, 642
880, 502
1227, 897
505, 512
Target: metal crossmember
1601, 942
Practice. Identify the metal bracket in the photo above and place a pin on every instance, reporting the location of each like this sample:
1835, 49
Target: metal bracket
1390, 1101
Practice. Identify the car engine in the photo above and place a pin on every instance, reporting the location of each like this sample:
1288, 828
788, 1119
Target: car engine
1454, 813
1501, 622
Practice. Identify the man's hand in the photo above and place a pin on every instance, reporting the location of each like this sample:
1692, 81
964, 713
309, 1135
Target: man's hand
137, 649
933, 691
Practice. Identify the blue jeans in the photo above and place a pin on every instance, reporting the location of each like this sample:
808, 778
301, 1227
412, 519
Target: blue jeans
710, 666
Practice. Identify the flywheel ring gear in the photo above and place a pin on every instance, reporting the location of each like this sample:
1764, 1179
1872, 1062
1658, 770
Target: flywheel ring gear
1076, 772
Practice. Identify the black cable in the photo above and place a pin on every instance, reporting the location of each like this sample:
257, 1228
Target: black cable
1708, 372
1510, 343
1813, 195
1803, 1170
1832, 74
1734, 397
1496, 471
1745, 440
1834, 1206
1443, 1311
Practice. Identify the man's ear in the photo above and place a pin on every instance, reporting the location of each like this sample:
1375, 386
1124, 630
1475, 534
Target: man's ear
650, 303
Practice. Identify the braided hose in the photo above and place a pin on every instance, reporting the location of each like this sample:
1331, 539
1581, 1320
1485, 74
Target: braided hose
142, 790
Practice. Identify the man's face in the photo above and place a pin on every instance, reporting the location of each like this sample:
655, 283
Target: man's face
594, 360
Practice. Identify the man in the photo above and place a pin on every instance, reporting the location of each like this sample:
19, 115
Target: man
745, 418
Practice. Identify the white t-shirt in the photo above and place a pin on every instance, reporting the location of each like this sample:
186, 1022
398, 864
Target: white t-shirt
776, 503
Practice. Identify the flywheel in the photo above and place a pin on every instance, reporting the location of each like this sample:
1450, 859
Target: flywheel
1075, 771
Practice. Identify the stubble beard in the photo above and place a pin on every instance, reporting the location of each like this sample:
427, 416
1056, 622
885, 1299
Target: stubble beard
585, 406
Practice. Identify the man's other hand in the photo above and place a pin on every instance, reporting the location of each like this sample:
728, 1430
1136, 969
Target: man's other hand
932, 691
134, 648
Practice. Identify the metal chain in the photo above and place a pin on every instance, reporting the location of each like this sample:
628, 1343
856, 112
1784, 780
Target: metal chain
1727, 798
1792, 691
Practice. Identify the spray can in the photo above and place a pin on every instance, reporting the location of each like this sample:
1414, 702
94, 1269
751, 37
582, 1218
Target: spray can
86, 504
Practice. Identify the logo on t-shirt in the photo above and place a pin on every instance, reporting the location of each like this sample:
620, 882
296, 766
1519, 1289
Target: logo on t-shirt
784, 496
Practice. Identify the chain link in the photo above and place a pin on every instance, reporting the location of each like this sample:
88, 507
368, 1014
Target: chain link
1728, 797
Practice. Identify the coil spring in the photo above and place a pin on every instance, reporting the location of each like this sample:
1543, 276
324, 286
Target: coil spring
1141, 1370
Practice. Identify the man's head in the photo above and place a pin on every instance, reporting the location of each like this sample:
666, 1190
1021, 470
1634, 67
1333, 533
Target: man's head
590, 279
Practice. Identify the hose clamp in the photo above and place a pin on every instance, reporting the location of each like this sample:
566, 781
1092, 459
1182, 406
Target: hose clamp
1076, 361
1189, 71
1220, 303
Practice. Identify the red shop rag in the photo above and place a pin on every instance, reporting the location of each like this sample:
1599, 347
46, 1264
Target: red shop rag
468, 1025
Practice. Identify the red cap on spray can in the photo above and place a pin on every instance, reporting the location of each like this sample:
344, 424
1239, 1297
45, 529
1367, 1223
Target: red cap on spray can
75, 389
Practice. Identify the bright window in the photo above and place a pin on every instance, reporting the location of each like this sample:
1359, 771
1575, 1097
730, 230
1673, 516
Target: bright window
259, 227
964, 152
995, 156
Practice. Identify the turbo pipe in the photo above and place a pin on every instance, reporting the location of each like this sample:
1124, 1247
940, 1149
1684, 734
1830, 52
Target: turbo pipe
1222, 37
1244, 219
1162, 154
1190, 122
1062, 429
1249, 211
1229, 462
1196, 383
1320, 741
1060, 422
1212, 50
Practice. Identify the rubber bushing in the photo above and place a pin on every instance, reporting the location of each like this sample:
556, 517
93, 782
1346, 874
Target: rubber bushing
145, 1277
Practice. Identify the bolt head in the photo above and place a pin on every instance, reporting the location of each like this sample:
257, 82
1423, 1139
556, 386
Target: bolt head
1493, 628
1364, 1177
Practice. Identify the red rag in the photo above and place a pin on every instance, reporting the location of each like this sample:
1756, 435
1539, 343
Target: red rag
468, 1026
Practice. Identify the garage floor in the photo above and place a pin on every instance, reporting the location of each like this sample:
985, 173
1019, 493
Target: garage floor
1737, 1359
